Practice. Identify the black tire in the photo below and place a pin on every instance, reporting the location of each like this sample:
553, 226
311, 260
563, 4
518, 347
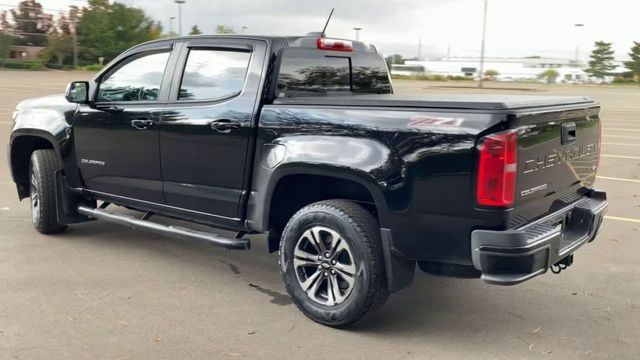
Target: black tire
359, 229
42, 169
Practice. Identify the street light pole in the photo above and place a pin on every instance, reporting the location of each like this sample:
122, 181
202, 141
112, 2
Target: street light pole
357, 30
75, 49
171, 24
180, 2
482, 48
578, 27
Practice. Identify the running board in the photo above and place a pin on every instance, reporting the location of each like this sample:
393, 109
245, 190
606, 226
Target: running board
170, 230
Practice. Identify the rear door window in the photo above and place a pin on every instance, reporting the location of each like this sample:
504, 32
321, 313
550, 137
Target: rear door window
213, 74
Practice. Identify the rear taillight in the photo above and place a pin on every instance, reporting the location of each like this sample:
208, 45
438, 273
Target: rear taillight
334, 44
497, 170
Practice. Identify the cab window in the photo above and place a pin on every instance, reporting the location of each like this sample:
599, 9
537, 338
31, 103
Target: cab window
138, 80
213, 74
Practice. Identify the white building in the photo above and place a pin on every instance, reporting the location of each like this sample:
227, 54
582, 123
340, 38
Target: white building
509, 69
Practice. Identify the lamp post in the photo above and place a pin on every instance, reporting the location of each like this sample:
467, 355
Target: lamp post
171, 24
578, 27
357, 30
180, 3
484, 34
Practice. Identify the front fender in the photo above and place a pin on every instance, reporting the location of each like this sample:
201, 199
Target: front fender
49, 120
49, 117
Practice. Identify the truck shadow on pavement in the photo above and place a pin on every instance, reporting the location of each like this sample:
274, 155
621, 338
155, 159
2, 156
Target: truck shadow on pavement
430, 306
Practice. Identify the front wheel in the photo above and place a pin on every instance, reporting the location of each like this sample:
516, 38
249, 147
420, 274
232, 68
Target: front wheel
331, 262
42, 195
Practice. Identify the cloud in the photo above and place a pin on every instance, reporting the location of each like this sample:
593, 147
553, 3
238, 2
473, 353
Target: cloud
515, 27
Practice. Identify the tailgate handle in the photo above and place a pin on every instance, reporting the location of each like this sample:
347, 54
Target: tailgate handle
568, 133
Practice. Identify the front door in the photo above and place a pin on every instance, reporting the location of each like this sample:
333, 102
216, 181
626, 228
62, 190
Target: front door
117, 136
207, 126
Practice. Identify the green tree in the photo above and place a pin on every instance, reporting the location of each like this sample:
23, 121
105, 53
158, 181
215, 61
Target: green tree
634, 64
550, 75
195, 30
6, 41
491, 74
31, 24
60, 39
601, 63
5, 25
60, 47
105, 30
223, 29
394, 59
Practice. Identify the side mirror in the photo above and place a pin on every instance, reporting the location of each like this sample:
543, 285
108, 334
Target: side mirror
77, 92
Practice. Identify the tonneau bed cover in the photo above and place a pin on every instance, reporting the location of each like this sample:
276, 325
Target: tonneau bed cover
475, 102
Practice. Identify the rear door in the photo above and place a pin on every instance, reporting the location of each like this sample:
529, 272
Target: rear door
117, 137
208, 123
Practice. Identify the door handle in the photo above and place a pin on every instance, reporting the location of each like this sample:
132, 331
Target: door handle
142, 124
224, 126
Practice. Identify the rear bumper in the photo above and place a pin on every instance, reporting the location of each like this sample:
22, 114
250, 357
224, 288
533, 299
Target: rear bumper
512, 256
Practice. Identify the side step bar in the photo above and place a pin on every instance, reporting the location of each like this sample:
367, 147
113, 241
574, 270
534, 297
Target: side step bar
174, 231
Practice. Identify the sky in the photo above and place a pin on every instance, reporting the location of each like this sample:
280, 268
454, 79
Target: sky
515, 28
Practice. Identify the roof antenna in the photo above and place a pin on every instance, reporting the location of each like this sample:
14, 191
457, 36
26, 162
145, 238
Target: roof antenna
327, 23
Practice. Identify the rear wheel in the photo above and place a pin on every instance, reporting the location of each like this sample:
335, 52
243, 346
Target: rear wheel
42, 195
331, 262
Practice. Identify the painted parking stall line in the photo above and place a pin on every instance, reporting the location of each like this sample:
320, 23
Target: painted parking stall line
621, 144
621, 157
617, 179
621, 129
621, 136
617, 218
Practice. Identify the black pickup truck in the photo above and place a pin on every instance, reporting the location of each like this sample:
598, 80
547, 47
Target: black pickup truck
303, 139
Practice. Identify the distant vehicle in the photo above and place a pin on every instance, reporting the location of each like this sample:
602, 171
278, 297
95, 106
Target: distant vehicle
302, 138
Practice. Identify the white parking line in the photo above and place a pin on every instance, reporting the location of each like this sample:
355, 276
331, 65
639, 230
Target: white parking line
620, 144
617, 179
622, 219
621, 123
622, 136
621, 157
620, 129
6, 123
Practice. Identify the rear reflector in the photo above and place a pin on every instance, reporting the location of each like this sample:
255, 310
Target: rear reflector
334, 45
497, 170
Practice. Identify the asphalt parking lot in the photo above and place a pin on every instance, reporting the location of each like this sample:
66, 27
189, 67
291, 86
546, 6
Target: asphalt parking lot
102, 291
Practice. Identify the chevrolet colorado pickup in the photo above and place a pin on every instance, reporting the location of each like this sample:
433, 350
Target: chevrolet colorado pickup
302, 138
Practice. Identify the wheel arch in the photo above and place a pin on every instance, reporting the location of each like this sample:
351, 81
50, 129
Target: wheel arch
286, 190
23, 144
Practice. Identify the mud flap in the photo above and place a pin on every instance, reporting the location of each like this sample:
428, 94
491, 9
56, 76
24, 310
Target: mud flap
67, 203
399, 271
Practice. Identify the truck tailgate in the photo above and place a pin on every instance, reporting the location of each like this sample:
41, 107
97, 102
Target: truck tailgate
558, 154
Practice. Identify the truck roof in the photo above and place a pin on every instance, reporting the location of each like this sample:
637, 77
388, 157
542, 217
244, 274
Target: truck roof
301, 41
